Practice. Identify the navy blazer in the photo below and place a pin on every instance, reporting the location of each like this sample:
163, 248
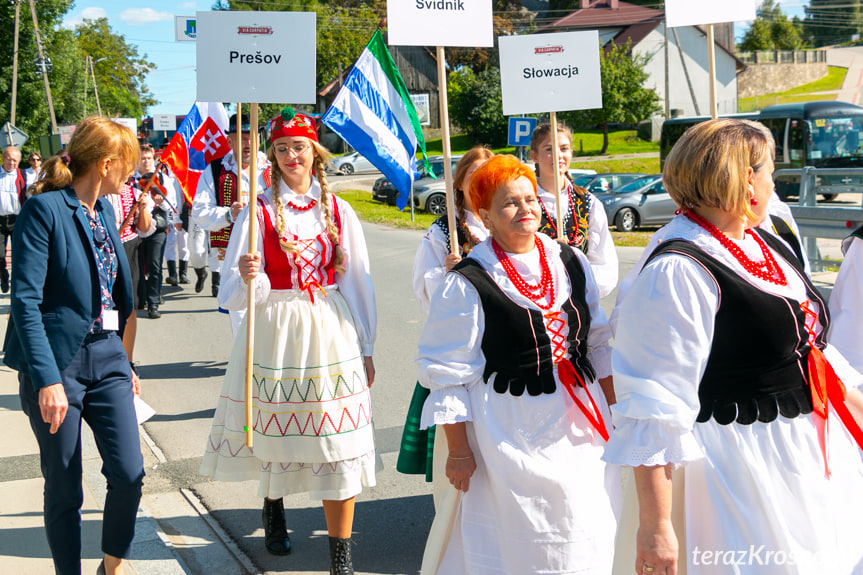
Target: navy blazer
56, 295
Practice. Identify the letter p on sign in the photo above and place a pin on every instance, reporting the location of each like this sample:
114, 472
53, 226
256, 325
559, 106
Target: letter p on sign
520, 130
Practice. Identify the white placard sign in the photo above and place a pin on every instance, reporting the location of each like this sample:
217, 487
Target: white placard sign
689, 13
164, 122
131, 123
185, 28
439, 23
550, 72
421, 103
263, 57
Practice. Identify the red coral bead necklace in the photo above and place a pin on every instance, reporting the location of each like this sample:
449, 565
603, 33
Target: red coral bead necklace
534, 292
768, 270
304, 208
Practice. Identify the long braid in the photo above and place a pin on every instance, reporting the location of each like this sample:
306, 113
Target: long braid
326, 209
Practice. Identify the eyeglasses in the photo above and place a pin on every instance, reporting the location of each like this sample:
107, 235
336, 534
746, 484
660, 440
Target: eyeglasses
296, 149
35, 159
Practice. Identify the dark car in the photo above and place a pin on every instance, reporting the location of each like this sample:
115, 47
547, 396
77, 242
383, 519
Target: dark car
384, 191
643, 202
602, 183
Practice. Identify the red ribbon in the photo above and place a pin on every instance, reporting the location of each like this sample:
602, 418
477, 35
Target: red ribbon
569, 377
826, 387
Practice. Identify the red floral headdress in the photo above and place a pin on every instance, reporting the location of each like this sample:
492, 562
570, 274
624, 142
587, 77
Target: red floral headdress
289, 123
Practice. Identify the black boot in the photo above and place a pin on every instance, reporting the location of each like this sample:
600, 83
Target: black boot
214, 282
4, 280
275, 533
202, 276
171, 280
184, 266
340, 557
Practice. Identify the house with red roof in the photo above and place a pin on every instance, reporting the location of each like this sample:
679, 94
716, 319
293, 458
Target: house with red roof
687, 63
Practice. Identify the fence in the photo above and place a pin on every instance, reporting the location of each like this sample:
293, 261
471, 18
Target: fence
783, 57
822, 221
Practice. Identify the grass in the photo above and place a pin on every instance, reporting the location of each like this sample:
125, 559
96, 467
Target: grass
585, 143
636, 165
375, 212
805, 93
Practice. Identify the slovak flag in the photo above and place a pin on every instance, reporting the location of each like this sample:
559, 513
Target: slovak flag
199, 140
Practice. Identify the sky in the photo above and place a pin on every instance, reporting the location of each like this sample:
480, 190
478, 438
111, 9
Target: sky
151, 29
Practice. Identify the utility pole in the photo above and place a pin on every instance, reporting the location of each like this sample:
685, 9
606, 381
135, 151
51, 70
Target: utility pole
44, 69
95, 87
17, 4
86, 65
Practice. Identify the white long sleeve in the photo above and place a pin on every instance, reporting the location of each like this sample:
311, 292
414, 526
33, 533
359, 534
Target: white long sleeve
846, 306
205, 211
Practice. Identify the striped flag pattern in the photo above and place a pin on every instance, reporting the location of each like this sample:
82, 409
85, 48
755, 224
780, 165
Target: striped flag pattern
375, 115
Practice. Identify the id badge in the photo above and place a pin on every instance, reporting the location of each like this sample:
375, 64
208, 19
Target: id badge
110, 319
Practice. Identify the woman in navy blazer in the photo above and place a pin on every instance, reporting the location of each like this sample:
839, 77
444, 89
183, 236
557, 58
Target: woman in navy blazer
71, 296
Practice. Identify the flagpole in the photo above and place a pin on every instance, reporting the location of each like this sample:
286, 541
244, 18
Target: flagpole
447, 152
555, 152
253, 240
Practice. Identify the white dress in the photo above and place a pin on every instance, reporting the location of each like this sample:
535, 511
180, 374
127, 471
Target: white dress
600, 245
312, 412
541, 500
846, 304
755, 493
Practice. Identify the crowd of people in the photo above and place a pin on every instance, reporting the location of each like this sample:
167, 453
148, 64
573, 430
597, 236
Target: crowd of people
687, 433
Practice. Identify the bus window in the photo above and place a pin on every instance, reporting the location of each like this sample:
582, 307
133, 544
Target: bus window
796, 143
777, 128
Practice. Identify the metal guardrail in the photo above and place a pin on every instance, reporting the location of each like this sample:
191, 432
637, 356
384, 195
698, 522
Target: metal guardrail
822, 221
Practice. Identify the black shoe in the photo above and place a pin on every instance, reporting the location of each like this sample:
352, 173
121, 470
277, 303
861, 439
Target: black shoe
340, 557
171, 280
202, 276
184, 279
214, 282
153, 312
4, 280
101, 569
276, 537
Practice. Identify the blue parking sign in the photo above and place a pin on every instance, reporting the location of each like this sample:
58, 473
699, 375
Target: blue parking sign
520, 130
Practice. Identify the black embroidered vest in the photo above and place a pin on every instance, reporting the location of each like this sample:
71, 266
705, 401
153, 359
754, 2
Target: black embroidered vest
576, 218
757, 367
227, 192
464, 246
515, 343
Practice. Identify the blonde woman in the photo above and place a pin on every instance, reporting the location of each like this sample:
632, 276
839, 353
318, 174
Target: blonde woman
314, 335
71, 298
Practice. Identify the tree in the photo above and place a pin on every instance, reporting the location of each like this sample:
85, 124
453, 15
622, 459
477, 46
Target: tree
832, 21
509, 18
120, 71
772, 30
624, 98
476, 104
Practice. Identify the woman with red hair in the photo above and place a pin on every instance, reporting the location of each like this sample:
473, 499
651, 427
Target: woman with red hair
521, 314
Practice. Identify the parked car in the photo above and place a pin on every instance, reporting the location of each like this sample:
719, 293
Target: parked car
430, 196
350, 163
578, 172
602, 183
384, 191
643, 202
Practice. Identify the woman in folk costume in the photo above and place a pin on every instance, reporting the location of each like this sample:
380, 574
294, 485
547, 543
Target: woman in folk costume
721, 367
433, 260
314, 334
585, 224
513, 351
846, 302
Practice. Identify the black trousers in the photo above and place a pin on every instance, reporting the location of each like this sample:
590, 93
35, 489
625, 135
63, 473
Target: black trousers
98, 386
7, 226
132, 247
152, 251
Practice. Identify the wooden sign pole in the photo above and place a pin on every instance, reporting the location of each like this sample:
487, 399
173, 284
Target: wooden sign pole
711, 57
555, 153
253, 240
447, 151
